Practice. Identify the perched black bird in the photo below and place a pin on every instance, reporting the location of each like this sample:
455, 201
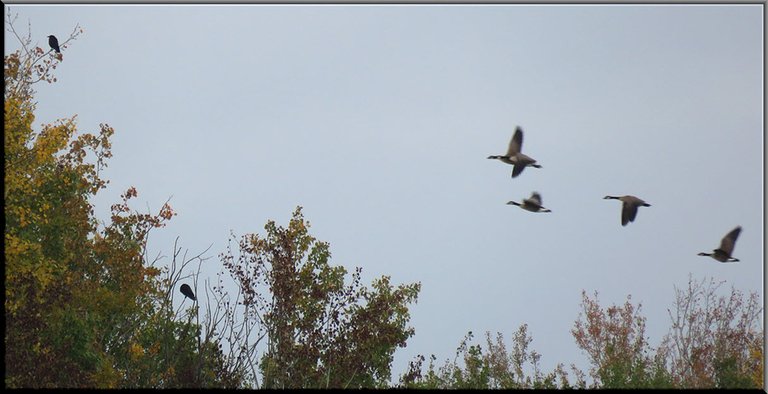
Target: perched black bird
54, 43
187, 291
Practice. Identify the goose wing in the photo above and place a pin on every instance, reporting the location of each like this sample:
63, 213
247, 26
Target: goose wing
534, 202
729, 241
517, 169
516, 143
536, 198
628, 212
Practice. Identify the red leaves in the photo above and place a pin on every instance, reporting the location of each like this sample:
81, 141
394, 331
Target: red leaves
706, 328
166, 212
709, 344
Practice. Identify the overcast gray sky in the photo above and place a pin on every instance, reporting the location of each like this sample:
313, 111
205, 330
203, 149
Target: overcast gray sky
378, 119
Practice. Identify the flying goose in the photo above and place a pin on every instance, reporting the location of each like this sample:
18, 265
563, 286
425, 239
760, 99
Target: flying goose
532, 204
723, 253
514, 156
629, 208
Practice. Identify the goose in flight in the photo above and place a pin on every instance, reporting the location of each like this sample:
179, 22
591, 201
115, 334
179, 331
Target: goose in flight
514, 156
723, 253
629, 207
532, 204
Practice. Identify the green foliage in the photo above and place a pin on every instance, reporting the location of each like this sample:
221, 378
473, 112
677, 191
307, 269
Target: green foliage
495, 368
321, 332
714, 342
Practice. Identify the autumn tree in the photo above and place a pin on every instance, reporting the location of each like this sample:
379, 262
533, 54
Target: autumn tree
83, 307
320, 331
493, 368
47, 224
715, 340
614, 339
171, 348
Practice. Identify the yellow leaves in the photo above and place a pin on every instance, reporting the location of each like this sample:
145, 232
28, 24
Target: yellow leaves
17, 132
60, 261
35, 191
43, 272
18, 114
25, 261
20, 254
14, 246
756, 356
23, 213
135, 351
152, 271
52, 140
106, 376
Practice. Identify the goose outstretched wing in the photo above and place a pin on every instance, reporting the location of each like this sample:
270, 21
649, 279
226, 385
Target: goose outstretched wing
516, 143
729, 241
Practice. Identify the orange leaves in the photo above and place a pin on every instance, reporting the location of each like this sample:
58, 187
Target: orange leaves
130, 193
166, 212
140, 223
152, 271
614, 339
